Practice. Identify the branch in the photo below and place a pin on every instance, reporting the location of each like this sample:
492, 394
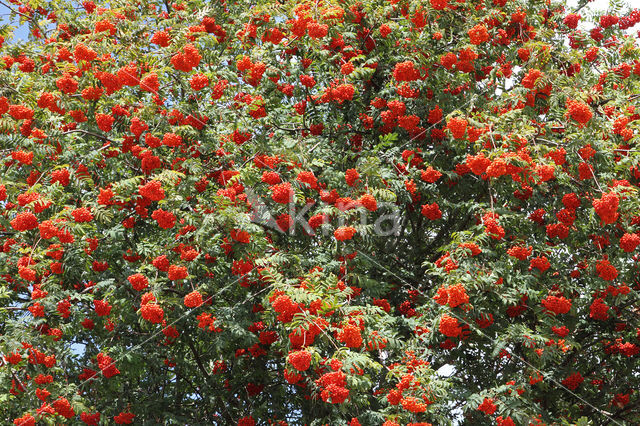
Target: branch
30, 18
196, 356
197, 390
86, 132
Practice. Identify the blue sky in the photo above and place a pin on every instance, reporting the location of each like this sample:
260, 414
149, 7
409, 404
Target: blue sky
5, 18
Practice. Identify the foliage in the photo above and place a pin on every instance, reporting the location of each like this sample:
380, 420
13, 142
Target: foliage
284, 212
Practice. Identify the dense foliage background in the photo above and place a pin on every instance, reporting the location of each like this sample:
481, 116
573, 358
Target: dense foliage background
320, 212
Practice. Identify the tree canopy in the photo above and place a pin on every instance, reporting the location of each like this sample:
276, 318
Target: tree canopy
376, 212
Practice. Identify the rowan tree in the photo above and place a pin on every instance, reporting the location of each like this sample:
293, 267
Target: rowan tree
319, 212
